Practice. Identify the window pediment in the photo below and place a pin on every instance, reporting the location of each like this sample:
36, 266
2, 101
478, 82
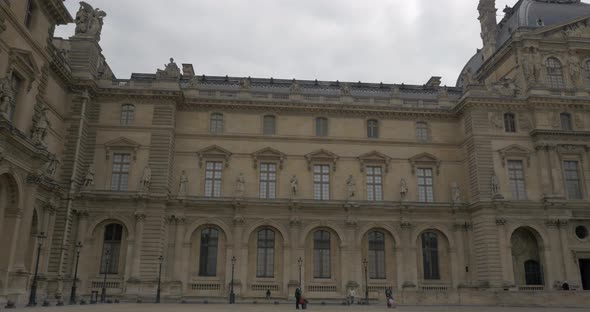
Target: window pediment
214, 152
374, 157
24, 63
268, 153
122, 143
515, 150
571, 149
425, 159
321, 155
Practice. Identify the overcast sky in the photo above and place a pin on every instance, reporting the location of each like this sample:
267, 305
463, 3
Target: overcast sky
391, 41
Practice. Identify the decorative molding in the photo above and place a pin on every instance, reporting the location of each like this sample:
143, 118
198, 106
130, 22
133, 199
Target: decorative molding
425, 159
321, 155
405, 225
139, 217
214, 152
23, 62
515, 150
374, 157
501, 221
268, 154
121, 144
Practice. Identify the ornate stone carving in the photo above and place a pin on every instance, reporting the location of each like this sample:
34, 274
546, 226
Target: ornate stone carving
88, 183
295, 87
579, 121
576, 30
240, 186
182, 184
171, 70
497, 120
214, 152
345, 90
51, 167
238, 220
139, 217
374, 157
268, 154
245, 84
194, 83
294, 221
293, 186
425, 159
350, 188
504, 87
574, 68
495, 184
530, 66
89, 21
406, 225
40, 126
571, 149
500, 221
403, 189
515, 150
6, 95
146, 179
455, 192
323, 156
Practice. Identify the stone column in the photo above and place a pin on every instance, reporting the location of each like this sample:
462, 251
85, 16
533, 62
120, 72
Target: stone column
556, 175
48, 226
458, 266
568, 263
178, 245
545, 169
139, 221
409, 257
505, 252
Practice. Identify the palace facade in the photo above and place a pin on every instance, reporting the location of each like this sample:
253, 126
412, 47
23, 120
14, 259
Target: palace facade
472, 194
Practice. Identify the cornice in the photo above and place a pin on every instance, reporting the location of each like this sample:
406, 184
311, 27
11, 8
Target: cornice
152, 94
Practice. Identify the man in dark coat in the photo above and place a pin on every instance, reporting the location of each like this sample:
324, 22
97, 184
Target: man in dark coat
297, 297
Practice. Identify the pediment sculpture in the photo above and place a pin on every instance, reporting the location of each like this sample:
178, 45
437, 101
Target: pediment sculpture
89, 21
171, 70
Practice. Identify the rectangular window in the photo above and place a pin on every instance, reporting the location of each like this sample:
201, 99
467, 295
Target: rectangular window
120, 175
572, 180
269, 125
321, 127
268, 180
425, 185
321, 182
213, 170
422, 131
516, 177
374, 183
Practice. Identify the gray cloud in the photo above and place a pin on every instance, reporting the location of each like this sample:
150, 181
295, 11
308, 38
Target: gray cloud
393, 41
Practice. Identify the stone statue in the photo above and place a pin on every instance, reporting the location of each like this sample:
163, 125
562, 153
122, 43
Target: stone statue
88, 183
295, 87
194, 83
51, 167
345, 90
171, 70
495, 182
245, 84
455, 192
403, 189
89, 21
573, 64
350, 187
530, 68
6, 95
182, 184
294, 186
240, 185
39, 131
146, 179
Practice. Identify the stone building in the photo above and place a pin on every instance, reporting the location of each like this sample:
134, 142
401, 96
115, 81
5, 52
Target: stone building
477, 193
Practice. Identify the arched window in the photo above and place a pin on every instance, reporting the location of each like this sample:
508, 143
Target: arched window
554, 73
269, 125
321, 126
266, 249
372, 129
216, 123
509, 122
376, 255
321, 254
430, 256
208, 252
422, 131
566, 121
127, 114
532, 273
111, 249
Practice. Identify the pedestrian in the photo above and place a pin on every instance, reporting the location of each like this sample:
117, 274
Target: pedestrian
351, 296
389, 297
268, 294
303, 303
297, 297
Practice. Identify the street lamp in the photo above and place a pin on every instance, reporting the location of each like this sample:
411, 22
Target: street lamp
103, 294
366, 264
33, 296
300, 263
77, 248
160, 259
232, 296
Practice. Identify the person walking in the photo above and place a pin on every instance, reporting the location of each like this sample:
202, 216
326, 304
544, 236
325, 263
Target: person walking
268, 294
297, 297
351, 296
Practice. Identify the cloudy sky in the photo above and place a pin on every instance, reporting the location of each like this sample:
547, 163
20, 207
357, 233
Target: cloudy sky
392, 41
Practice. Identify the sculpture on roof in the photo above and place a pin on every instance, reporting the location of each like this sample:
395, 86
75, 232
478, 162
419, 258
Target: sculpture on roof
89, 21
245, 84
171, 70
295, 87
345, 89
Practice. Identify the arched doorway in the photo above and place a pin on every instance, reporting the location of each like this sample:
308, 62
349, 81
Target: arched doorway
526, 260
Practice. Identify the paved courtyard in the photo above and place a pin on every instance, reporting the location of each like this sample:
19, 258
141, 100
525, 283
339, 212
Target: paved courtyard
146, 307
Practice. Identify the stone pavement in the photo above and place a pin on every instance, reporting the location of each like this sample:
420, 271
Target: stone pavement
149, 307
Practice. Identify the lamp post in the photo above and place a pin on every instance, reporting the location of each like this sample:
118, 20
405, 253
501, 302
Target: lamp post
33, 295
160, 259
77, 248
300, 263
232, 296
103, 294
366, 264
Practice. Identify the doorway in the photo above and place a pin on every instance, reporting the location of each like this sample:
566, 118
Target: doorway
585, 273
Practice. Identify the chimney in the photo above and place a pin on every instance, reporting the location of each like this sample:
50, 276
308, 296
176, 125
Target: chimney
489, 26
